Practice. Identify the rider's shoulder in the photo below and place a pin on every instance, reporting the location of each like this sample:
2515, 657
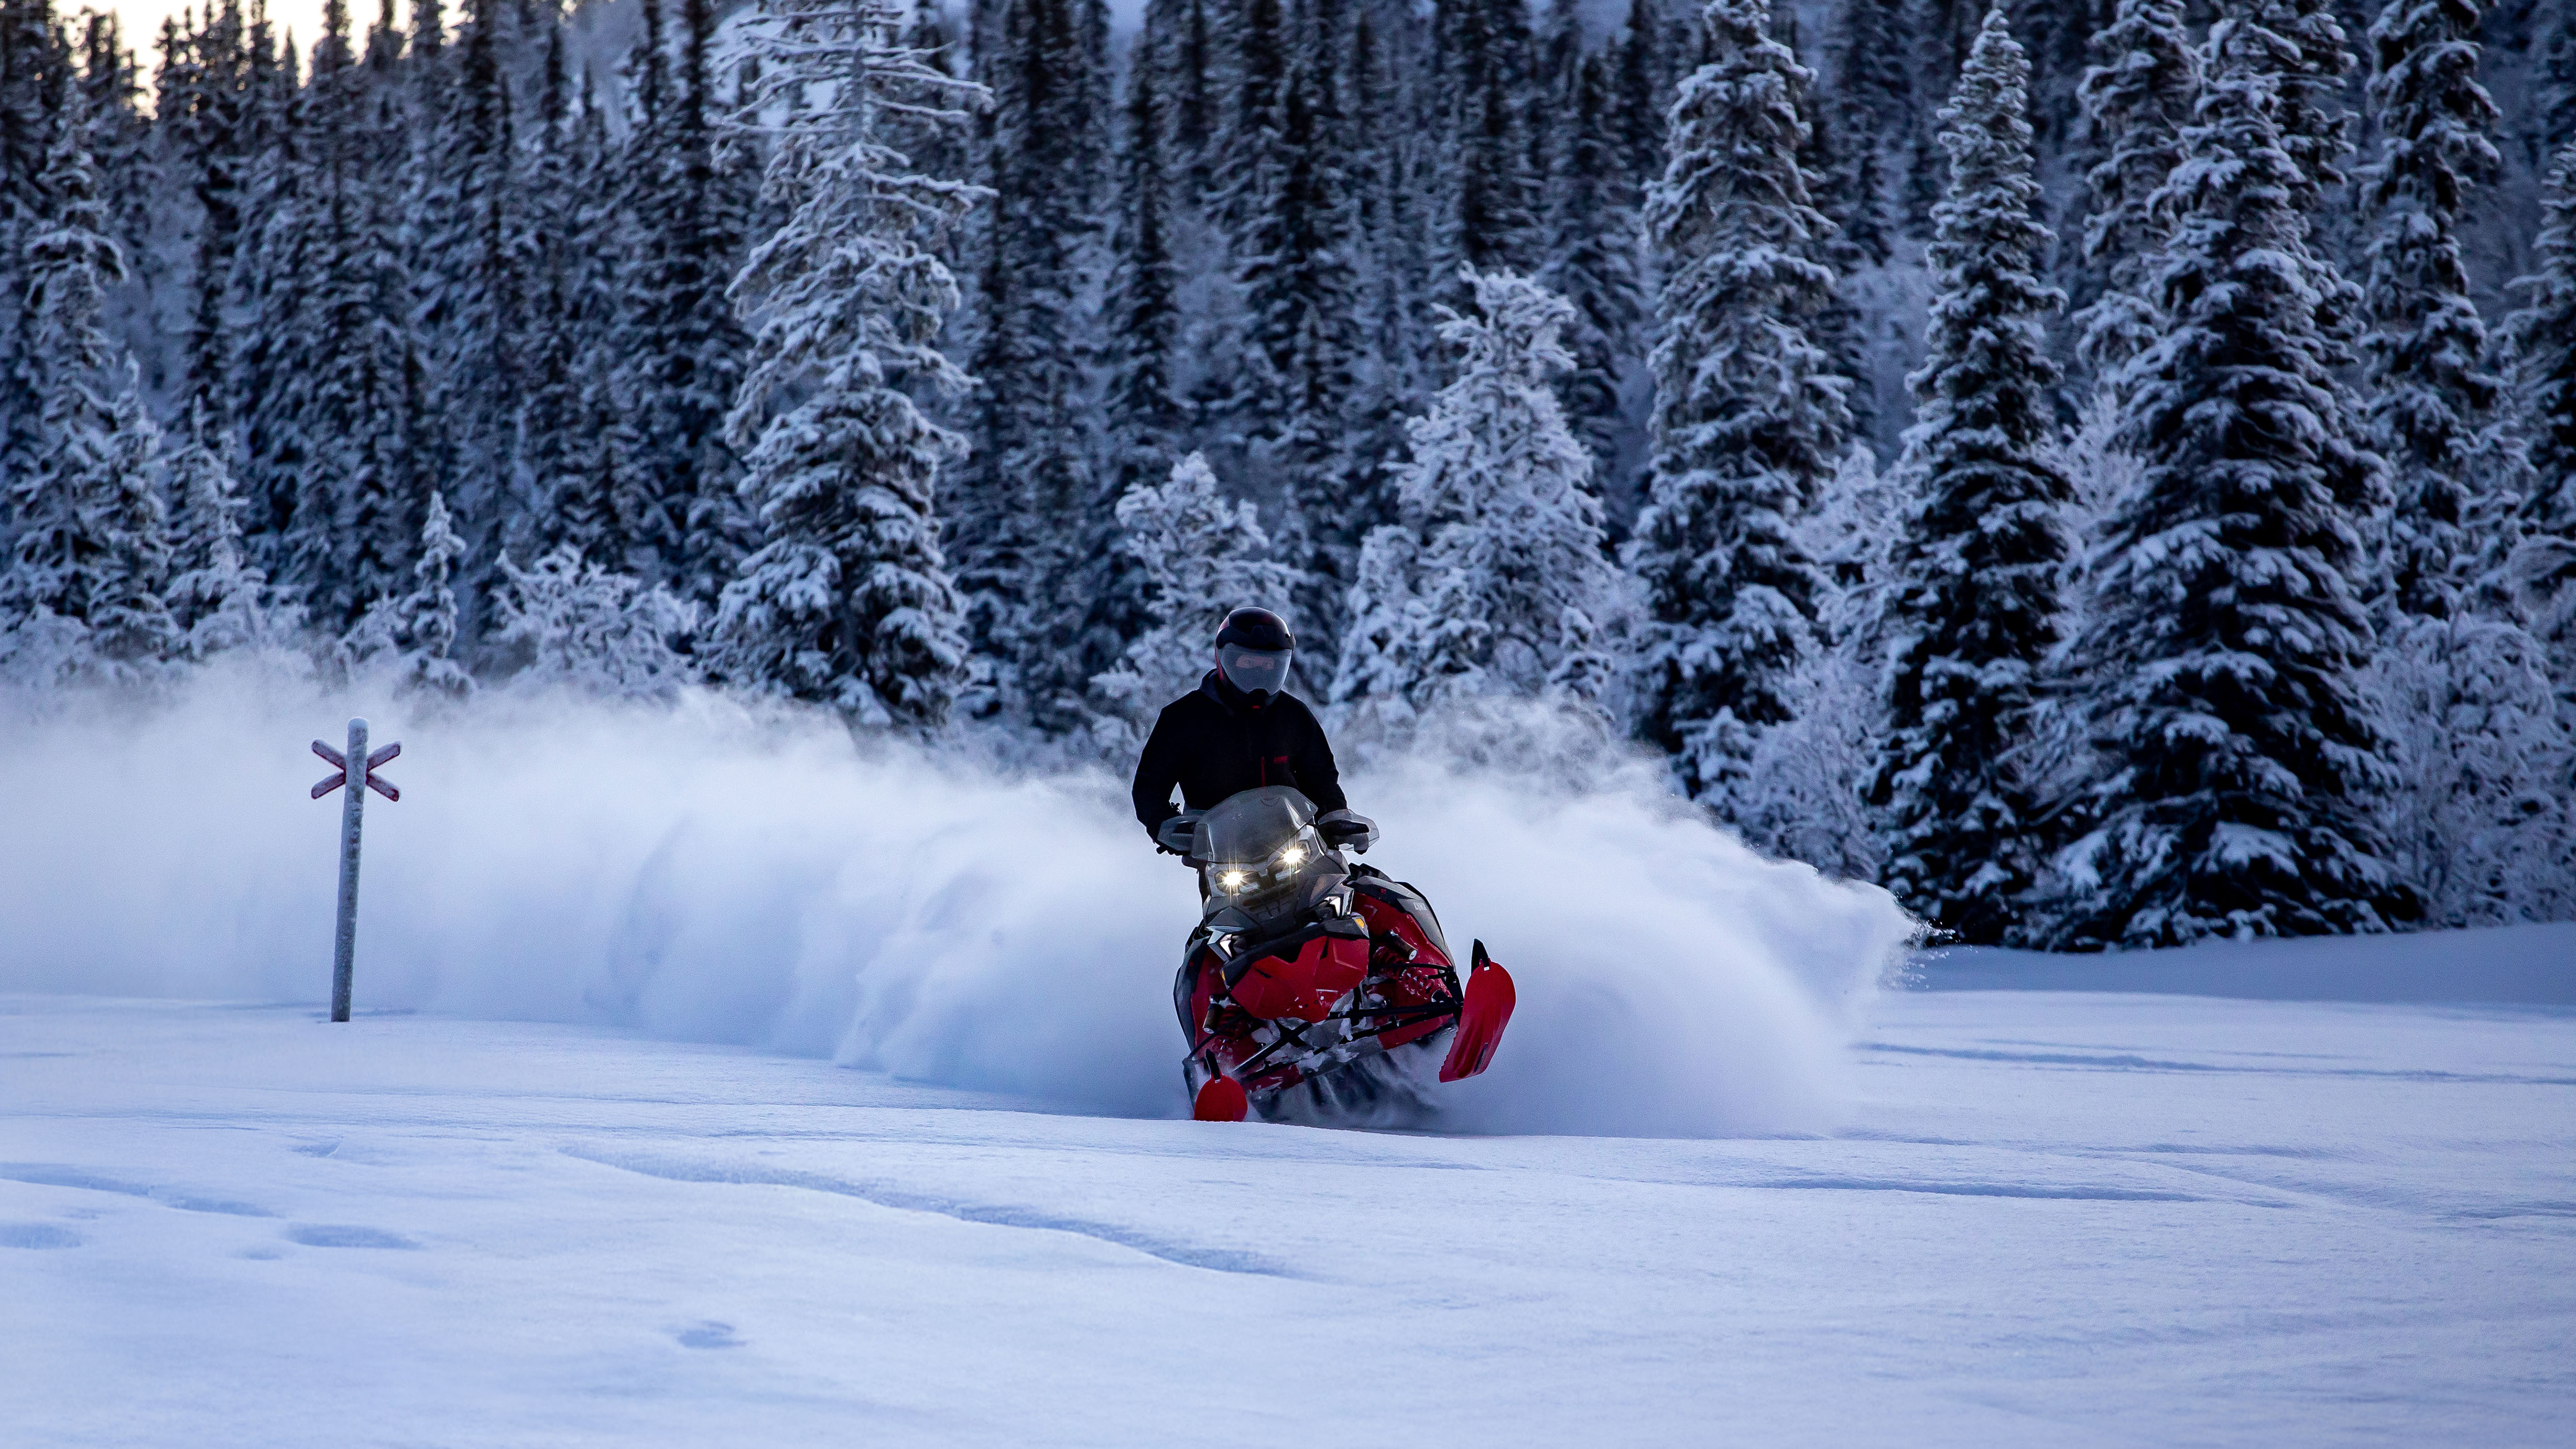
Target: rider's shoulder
1193, 703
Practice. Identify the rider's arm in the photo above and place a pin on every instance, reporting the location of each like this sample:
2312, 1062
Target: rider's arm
1317, 776
1158, 769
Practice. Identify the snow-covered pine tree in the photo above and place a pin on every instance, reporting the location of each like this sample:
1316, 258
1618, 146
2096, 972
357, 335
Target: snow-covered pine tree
1872, 101
1200, 555
1305, 359
2475, 818
2137, 98
29, 93
130, 629
277, 359
633, 167
584, 627
470, 283
2314, 112
216, 135
2543, 335
2549, 95
424, 622
847, 601
604, 507
1749, 416
1502, 534
129, 173
1489, 217
2432, 404
217, 598
1032, 518
1144, 409
82, 591
1973, 611
1641, 87
1815, 769
1592, 262
346, 542
686, 234
2238, 765
554, 451
2480, 819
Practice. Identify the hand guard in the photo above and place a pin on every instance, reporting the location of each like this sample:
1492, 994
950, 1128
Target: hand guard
1176, 834
1343, 830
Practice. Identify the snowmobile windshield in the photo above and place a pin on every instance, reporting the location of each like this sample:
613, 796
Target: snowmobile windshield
1254, 671
1258, 839
1252, 828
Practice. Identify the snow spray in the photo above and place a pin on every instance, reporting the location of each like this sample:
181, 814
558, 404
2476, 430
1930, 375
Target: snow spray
701, 871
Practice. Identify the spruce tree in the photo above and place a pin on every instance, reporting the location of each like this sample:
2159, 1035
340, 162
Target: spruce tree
276, 358
2433, 403
2137, 99
1592, 262
1198, 555
1032, 514
1303, 363
422, 628
343, 540
1501, 562
1974, 612
217, 597
1749, 416
31, 88
1490, 216
688, 345
216, 136
2543, 334
89, 554
557, 369
2238, 765
1143, 405
846, 602
1872, 100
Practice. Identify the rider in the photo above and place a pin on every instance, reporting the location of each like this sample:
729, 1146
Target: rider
1239, 730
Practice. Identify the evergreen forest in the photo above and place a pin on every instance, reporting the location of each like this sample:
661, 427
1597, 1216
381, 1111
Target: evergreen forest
2104, 470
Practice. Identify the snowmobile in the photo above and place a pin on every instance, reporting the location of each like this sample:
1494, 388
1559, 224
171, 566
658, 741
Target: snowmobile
1315, 989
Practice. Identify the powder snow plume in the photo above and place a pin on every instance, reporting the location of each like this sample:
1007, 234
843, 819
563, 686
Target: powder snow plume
697, 873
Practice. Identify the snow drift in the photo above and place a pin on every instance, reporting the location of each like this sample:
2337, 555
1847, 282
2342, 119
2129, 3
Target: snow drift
700, 873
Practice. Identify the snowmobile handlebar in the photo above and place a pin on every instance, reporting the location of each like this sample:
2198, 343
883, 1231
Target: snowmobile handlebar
1341, 829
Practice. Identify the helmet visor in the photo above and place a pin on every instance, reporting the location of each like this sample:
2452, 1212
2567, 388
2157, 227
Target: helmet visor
1254, 671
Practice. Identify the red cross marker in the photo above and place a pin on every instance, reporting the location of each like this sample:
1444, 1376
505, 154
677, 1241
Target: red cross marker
340, 762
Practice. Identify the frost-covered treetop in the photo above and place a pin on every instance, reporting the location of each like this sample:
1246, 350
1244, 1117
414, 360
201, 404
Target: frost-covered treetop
853, 283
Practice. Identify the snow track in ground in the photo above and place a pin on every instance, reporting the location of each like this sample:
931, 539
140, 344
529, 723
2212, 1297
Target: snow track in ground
2054, 1219
696, 874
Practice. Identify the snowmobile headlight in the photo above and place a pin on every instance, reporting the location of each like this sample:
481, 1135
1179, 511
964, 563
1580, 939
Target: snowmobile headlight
1233, 879
1293, 857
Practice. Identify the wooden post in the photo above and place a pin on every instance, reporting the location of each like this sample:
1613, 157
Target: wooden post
357, 776
353, 810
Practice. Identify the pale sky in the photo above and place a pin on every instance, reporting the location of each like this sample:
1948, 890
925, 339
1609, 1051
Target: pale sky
141, 22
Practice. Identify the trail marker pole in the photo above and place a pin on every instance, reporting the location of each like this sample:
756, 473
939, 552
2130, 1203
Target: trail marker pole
357, 771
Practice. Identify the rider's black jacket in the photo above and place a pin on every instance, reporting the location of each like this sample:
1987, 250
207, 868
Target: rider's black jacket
1214, 742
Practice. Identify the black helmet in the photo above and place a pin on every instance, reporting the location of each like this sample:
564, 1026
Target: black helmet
1252, 652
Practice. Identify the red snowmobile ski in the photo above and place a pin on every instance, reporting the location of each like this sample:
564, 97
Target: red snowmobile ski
1315, 989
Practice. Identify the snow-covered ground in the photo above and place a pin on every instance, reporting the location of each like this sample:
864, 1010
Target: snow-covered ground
2052, 1218
716, 1083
